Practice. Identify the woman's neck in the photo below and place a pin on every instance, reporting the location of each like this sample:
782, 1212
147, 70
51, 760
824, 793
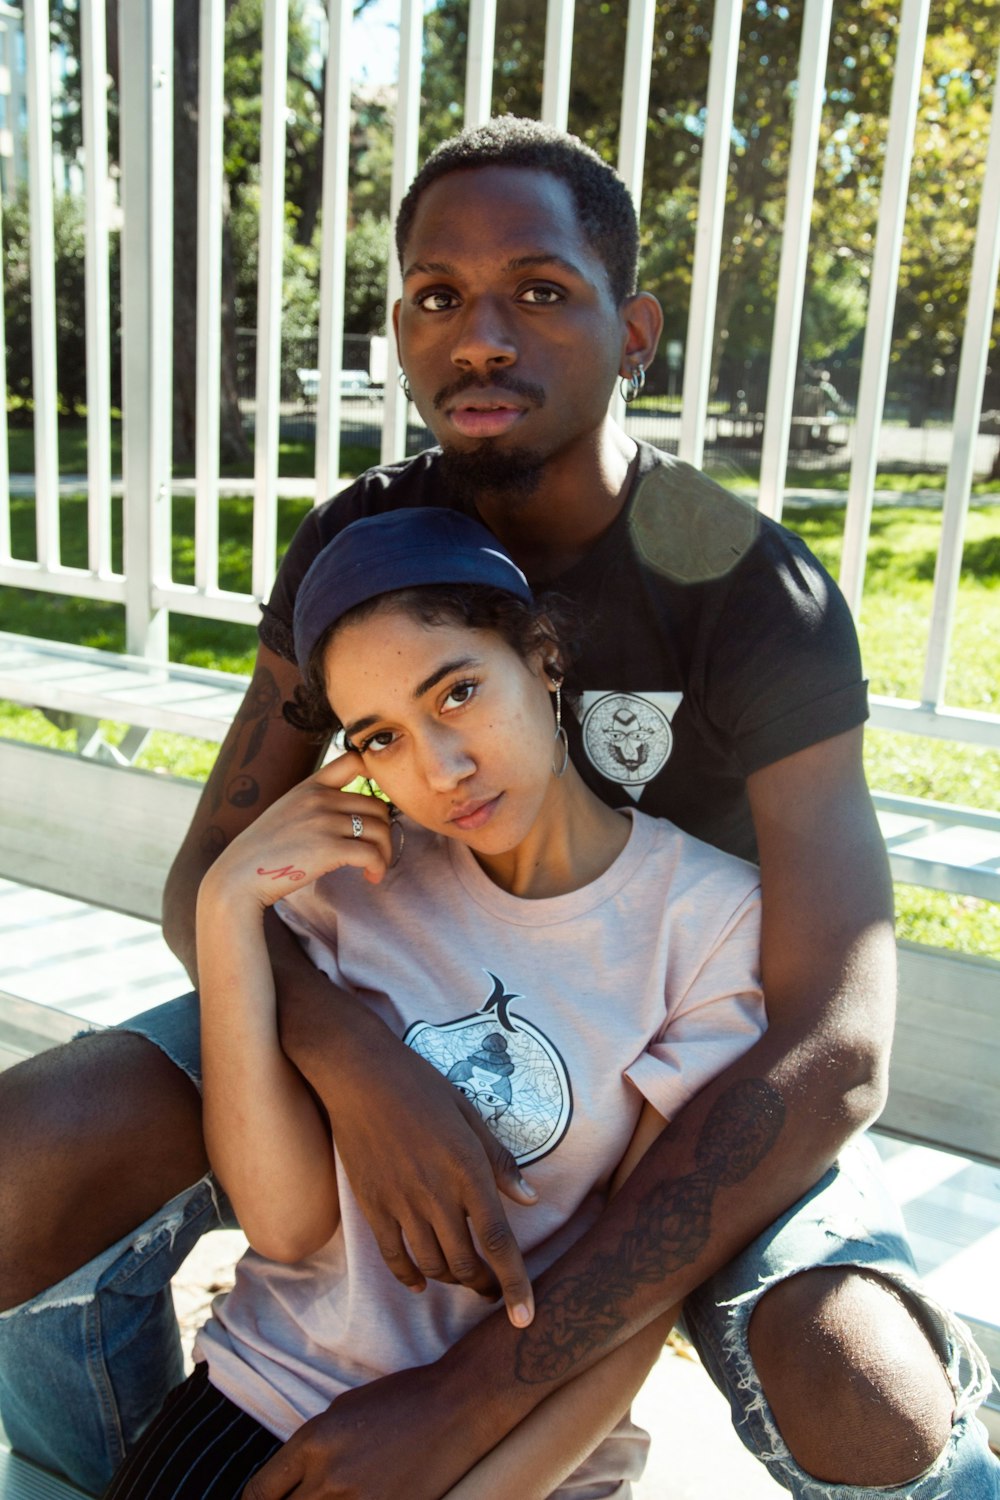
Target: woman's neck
575, 838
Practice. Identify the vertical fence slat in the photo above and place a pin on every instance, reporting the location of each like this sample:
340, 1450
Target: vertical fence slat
146, 133
634, 122
43, 285
559, 18
404, 166
479, 66
968, 405
708, 235
333, 254
270, 260
882, 296
98, 293
208, 354
794, 255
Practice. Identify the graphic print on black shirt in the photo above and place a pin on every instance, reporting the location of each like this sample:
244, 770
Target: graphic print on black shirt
507, 1069
627, 736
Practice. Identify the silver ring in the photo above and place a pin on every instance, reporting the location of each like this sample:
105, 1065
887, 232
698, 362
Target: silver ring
357, 826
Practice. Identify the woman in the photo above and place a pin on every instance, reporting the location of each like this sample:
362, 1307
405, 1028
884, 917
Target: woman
577, 971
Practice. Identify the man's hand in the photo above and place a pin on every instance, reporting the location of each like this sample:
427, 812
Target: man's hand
388, 1440
425, 1168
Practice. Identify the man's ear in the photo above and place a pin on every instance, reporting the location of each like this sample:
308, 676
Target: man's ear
395, 324
642, 316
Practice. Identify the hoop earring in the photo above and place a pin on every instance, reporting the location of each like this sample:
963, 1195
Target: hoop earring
560, 738
404, 385
631, 384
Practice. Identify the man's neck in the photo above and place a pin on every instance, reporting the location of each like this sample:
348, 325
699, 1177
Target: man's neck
579, 497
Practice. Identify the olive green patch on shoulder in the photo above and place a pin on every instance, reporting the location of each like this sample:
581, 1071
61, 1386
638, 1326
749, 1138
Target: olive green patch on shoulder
688, 527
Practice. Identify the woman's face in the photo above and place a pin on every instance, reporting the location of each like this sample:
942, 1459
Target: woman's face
453, 725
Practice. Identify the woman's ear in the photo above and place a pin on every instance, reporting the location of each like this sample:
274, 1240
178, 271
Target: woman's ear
553, 673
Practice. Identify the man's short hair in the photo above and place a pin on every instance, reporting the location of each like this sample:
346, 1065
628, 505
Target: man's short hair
603, 202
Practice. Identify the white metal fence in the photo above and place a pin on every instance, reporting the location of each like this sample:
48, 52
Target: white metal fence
145, 586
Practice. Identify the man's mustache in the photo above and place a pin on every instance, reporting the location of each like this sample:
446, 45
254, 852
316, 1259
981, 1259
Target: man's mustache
501, 381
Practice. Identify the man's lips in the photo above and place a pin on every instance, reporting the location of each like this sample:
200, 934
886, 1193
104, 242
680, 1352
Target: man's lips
478, 409
469, 816
482, 420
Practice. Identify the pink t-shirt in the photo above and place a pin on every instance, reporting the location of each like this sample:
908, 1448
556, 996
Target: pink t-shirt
556, 1017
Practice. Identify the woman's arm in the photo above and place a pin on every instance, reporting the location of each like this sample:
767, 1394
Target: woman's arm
551, 1444
266, 1137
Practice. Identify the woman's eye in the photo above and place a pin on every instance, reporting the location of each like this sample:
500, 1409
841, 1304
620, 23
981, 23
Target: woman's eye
381, 740
435, 301
459, 694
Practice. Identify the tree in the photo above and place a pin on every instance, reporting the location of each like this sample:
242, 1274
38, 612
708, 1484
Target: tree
950, 148
71, 355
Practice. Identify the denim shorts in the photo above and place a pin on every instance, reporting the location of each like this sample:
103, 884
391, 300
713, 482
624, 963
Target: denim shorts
848, 1219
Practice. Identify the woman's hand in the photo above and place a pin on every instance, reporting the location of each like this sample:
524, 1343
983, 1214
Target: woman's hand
315, 828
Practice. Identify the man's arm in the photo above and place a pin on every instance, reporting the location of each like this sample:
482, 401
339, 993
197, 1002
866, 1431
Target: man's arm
739, 1153
422, 1163
261, 758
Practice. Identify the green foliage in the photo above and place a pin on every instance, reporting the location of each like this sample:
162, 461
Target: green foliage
69, 227
946, 180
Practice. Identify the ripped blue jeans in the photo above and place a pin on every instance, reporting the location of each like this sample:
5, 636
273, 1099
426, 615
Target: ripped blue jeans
85, 1366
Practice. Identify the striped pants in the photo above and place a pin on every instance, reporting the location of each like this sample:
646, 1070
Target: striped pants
200, 1447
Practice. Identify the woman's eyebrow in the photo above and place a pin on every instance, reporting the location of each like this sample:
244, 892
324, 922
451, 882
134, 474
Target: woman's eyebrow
358, 726
457, 665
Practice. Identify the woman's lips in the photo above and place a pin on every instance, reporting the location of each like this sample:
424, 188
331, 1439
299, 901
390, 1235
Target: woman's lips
484, 421
477, 815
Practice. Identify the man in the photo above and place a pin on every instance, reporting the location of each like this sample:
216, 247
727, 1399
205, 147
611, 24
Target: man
720, 686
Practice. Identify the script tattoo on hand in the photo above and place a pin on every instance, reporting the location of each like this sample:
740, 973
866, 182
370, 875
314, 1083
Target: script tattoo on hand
582, 1312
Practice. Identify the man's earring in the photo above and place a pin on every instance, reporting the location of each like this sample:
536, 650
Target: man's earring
631, 384
404, 385
560, 736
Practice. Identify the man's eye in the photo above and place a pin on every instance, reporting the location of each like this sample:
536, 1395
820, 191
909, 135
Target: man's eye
381, 740
435, 301
541, 296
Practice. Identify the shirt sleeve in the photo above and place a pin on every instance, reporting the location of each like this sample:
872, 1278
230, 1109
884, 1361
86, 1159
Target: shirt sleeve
783, 667
715, 1019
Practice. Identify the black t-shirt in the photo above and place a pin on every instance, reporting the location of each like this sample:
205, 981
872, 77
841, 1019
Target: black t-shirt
713, 643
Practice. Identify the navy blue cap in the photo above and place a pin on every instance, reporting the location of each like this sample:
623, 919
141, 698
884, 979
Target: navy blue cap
397, 550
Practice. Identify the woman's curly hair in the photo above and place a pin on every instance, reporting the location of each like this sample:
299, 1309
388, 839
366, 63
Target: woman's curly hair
545, 623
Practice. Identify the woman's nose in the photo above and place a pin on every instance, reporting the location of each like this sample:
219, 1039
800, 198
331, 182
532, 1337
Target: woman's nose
447, 761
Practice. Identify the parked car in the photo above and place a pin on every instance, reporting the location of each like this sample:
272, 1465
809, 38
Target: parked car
352, 383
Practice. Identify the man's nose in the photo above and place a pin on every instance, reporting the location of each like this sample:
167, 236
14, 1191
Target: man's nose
484, 337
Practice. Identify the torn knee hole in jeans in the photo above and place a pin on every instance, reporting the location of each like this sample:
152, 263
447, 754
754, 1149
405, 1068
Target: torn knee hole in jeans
966, 1367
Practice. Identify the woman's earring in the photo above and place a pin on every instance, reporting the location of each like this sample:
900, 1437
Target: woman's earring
397, 854
632, 383
404, 385
561, 738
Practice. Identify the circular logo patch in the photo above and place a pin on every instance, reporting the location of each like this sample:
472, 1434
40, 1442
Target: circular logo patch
626, 738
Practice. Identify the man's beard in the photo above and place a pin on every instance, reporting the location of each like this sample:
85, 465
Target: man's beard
512, 475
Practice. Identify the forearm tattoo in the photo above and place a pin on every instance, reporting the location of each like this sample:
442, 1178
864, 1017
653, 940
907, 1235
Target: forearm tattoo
262, 701
583, 1312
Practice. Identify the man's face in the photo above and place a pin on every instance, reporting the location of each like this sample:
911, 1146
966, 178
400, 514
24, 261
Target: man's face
507, 329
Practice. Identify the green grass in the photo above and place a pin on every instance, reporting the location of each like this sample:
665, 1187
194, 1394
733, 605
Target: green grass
296, 460
894, 628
